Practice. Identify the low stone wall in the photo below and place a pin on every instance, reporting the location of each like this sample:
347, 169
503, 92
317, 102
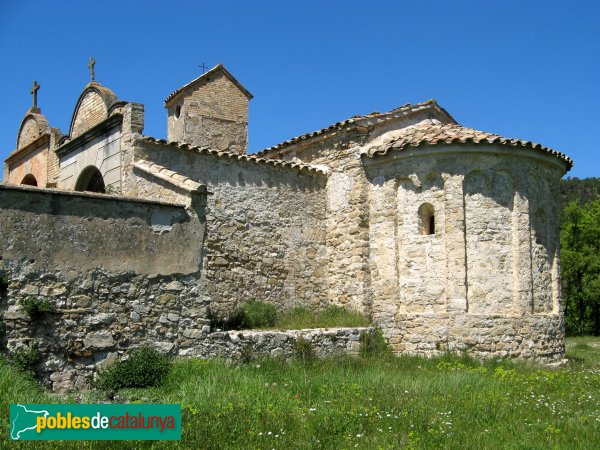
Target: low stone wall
234, 345
116, 273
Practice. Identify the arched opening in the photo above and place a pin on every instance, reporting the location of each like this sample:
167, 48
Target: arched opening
29, 180
426, 219
90, 180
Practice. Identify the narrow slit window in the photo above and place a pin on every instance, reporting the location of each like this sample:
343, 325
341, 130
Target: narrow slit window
426, 219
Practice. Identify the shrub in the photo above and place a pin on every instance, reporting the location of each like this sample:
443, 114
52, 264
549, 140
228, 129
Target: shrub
3, 283
252, 315
145, 367
303, 350
247, 353
333, 316
25, 358
373, 344
36, 308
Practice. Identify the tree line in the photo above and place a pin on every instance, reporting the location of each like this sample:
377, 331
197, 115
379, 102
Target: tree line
580, 254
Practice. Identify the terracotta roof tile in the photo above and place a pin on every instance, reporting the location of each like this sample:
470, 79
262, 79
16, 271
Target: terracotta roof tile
301, 167
366, 119
433, 134
165, 174
205, 76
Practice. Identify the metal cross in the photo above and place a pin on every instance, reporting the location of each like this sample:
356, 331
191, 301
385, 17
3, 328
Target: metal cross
91, 67
36, 87
203, 67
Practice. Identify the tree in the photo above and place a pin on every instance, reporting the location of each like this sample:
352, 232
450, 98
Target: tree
580, 262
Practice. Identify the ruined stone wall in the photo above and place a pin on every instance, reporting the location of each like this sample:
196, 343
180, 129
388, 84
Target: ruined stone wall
487, 280
212, 114
265, 235
236, 345
118, 273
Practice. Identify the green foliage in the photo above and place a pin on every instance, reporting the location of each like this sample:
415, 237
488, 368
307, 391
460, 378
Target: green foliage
145, 367
249, 315
580, 267
35, 307
349, 402
573, 189
25, 358
112, 190
247, 353
263, 315
3, 283
334, 316
257, 315
373, 344
303, 350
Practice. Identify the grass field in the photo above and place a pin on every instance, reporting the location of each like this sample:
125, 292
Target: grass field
365, 403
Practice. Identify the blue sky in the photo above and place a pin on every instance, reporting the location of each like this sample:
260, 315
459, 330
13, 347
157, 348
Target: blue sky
526, 69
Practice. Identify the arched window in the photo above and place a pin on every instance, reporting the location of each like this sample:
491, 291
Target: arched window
29, 180
90, 180
426, 219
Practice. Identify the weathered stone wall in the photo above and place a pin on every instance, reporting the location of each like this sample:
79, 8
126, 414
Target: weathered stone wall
213, 113
33, 160
475, 283
347, 217
53, 167
236, 345
92, 110
265, 235
118, 273
30, 131
102, 151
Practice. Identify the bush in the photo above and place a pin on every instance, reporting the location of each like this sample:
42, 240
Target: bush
25, 358
145, 367
36, 308
3, 283
333, 316
303, 350
252, 315
373, 344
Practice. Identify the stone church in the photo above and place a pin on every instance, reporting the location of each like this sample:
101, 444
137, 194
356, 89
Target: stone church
445, 236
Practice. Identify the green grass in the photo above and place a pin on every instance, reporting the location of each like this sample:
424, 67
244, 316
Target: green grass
334, 316
404, 402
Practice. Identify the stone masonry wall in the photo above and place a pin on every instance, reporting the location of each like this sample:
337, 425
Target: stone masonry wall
92, 111
118, 273
347, 218
487, 281
34, 161
236, 345
212, 114
265, 235
347, 206
30, 131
